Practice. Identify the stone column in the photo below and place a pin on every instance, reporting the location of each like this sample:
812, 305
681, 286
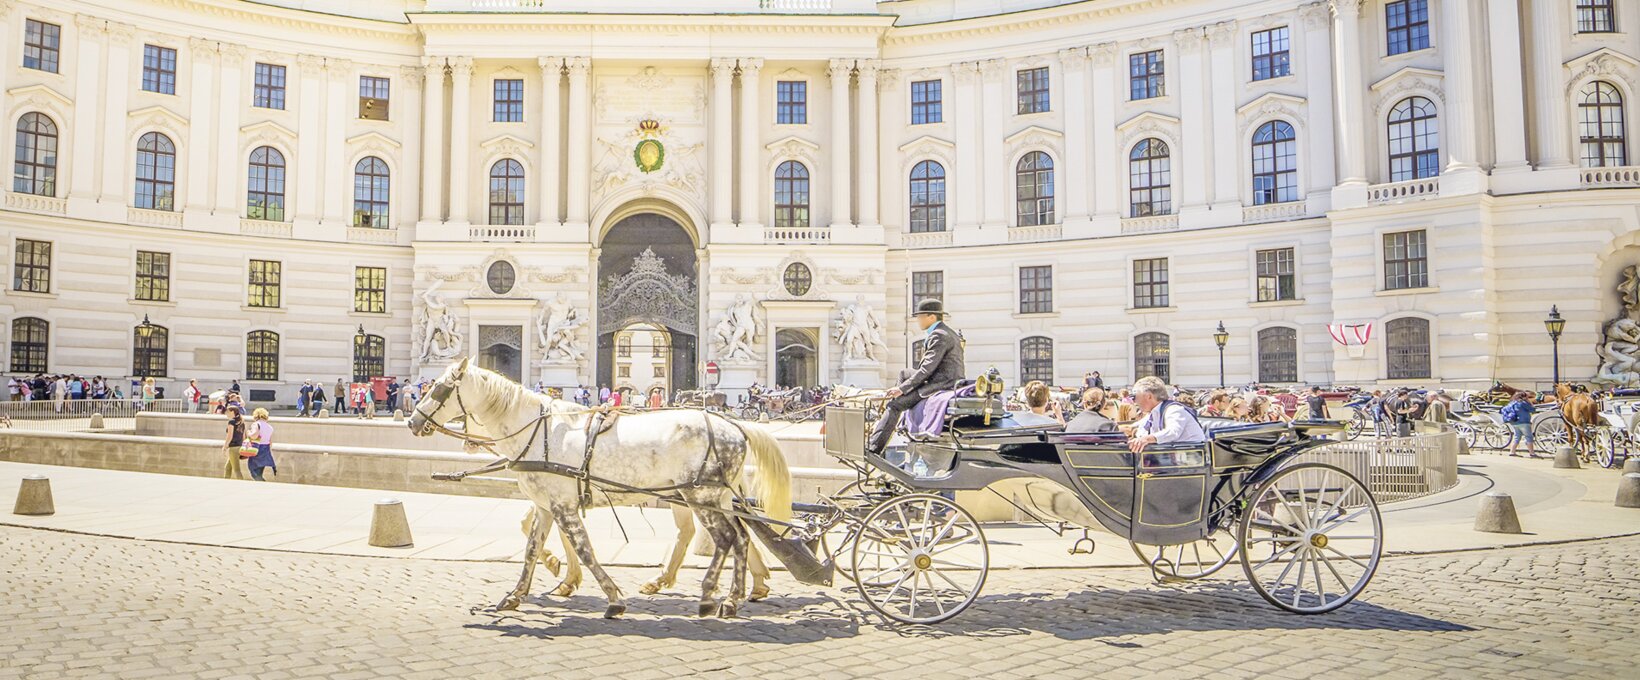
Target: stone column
964, 115
309, 159
230, 101
1225, 72
117, 87
1318, 142
1108, 167
995, 108
580, 141
404, 202
1462, 174
723, 143
1507, 79
892, 113
1349, 88
1077, 159
869, 153
202, 55
1554, 148
461, 129
552, 130
841, 164
82, 194
336, 184
432, 139
751, 148
1190, 163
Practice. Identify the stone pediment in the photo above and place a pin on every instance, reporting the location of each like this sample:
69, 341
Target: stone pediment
790, 142
1149, 120
39, 92
1602, 63
1428, 77
159, 115
1603, 54
927, 143
374, 139
268, 128
506, 144
1273, 102
1030, 131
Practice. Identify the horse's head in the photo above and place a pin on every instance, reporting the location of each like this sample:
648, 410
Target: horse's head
434, 409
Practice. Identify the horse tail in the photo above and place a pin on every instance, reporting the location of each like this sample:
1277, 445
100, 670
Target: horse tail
774, 480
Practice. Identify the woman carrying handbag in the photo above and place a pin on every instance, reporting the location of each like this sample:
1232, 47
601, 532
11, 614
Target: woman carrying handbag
231, 447
260, 435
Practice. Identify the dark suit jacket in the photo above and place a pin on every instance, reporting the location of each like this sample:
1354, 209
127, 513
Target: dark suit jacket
941, 365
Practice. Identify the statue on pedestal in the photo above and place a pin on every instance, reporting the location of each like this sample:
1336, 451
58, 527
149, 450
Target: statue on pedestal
438, 330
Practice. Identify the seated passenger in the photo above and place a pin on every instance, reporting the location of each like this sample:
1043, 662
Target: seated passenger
1036, 398
1091, 420
1165, 421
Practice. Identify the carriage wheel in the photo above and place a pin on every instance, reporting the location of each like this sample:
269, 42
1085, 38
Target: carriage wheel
1605, 445
1310, 538
1496, 436
1187, 561
855, 500
1467, 433
1358, 424
933, 556
1551, 434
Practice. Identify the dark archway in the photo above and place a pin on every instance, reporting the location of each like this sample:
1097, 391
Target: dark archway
648, 275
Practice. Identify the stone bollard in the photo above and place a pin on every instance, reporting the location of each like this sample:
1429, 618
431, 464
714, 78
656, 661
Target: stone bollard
34, 497
1631, 464
1463, 446
398, 415
1566, 459
388, 526
1497, 514
324, 413
96, 421
1628, 490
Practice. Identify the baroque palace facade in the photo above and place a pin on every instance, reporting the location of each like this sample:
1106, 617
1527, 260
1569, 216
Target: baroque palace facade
292, 189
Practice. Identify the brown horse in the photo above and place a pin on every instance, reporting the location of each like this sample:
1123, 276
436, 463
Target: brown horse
1582, 413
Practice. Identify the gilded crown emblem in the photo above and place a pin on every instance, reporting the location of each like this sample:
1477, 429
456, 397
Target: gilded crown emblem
649, 127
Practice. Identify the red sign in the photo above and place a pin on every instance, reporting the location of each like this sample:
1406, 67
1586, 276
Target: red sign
711, 368
712, 375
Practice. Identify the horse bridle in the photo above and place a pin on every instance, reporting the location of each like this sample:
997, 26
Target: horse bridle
442, 392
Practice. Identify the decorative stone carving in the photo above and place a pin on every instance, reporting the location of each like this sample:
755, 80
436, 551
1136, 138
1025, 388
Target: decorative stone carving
888, 79
735, 276
1619, 350
411, 77
993, 69
1405, 82
1342, 7
437, 329
648, 293
311, 65
1102, 54
749, 67
1271, 106
1074, 58
565, 275
861, 277
119, 35
965, 72
578, 67
683, 170
557, 330
1188, 39
1604, 64
736, 331
461, 67
232, 55
201, 47
1314, 15
860, 332
1219, 34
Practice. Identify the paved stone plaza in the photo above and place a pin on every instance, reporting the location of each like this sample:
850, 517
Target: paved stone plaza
84, 606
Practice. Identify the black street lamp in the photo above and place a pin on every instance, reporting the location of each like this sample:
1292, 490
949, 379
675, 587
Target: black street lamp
1221, 336
145, 329
1554, 324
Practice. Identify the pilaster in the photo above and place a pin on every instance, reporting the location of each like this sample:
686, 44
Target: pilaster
964, 115
1225, 72
87, 124
405, 202
1555, 169
1510, 169
1350, 99
1458, 131
230, 100
580, 143
336, 184
1317, 71
1107, 161
117, 88
202, 54
461, 130
432, 141
1191, 163
869, 151
1077, 161
722, 143
996, 107
840, 71
750, 185
550, 171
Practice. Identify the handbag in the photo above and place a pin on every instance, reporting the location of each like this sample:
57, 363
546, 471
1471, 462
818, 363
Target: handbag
247, 450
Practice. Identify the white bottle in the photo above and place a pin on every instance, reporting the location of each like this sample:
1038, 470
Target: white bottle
919, 469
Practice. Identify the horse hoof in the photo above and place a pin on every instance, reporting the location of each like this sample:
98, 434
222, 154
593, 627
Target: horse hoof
708, 609
553, 564
649, 588
507, 604
563, 590
728, 611
758, 594
614, 611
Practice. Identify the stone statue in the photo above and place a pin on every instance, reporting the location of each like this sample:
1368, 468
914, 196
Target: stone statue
734, 334
861, 332
1619, 348
439, 330
556, 330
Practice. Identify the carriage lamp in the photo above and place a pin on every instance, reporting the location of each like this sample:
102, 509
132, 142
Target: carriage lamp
1220, 337
145, 329
1554, 324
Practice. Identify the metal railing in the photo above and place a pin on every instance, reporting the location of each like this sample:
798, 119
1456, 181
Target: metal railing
1395, 468
75, 415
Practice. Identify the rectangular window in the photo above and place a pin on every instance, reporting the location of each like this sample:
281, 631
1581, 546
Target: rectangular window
926, 102
1150, 283
1145, 75
1276, 280
269, 92
1033, 90
153, 276
41, 42
509, 100
927, 286
1596, 16
791, 102
31, 269
1270, 56
660, 371
1036, 289
1406, 260
624, 372
159, 69
373, 97
370, 290
264, 283
1407, 23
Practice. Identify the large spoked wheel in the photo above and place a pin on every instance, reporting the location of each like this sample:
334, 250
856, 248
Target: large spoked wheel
1311, 538
1496, 436
1551, 434
1605, 445
920, 559
1467, 433
1358, 424
1188, 561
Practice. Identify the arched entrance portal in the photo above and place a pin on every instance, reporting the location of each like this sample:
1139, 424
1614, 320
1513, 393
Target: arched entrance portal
648, 271
797, 363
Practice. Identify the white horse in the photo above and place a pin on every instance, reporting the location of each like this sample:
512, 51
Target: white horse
698, 456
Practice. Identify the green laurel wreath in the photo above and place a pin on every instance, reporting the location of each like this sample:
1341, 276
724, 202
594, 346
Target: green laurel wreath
660, 155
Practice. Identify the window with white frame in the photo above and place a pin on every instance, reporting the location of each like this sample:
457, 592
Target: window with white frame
42, 43
1275, 163
1406, 260
1271, 58
1596, 16
1277, 279
1414, 140
1406, 25
1600, 130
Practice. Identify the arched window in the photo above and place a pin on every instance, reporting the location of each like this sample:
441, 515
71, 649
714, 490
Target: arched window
1600, 126
35, 171
371, 186
507, 192
1275, 163
791, 196
1152, 356
1033, 189
29, 338
265, 193
1036, 359
150, 348
369, 357
1150, 179
927, 197
1278, 355
1407, 347
1414, 140
156, 172
262, 355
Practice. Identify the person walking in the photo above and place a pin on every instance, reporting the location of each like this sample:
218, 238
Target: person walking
260, 433
230, 445
304, 397
1316, 403
191, 396
393, 395
340, 395
317, 401
1517, 415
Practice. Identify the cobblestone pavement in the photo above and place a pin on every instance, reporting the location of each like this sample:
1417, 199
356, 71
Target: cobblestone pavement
74, 606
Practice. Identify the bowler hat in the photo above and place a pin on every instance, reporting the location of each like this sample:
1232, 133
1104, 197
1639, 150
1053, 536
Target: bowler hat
929, 306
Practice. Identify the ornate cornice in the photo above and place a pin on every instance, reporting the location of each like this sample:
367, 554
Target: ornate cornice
310, 65
1188, 39
749, 66
1074, 58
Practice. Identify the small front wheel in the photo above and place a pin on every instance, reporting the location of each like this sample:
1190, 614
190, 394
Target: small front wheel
1310, 538
1187, 561
920, 559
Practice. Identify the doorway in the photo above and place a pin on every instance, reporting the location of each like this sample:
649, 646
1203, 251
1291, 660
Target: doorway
796, 361
648, 291
501, 349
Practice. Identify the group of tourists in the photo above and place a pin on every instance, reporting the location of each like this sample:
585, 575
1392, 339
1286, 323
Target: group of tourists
65, 389
311, 399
